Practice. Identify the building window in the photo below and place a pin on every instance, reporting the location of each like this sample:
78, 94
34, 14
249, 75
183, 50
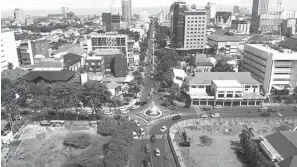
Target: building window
221, 95
201, 87
229, 95
229, 91
194, 86
247, 87
237, 95
255, 86
221, 91
238, 92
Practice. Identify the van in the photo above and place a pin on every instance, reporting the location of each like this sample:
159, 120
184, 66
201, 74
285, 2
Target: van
147, 148
185, 144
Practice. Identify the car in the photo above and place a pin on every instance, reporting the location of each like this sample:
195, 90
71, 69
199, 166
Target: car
172, 108
134, 107
176, 118
153, 138
215, 115
135, 136
185, 144
143, 103
186, 106
137, 123
207, 108
265, 114
137, 103
173, 103
141, 131
124, 111
217, 106
279, 114
165, 104
147, 148
271, 110
262, 108
203, 115
163, 129
157, 152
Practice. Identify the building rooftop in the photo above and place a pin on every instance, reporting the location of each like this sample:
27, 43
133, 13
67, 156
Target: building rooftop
179, 72
112, 85
207, 77
290, 43
94, 58
70, 48
50, 75
223, 38
107, 51
202, 60
70, 59
289, 162
227, 83
277, 53
285, 143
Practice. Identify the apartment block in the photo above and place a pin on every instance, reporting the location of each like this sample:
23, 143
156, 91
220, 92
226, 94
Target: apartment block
8, 49
27, 50
242, 26
95, 64
195, 29
274, 68
289, 27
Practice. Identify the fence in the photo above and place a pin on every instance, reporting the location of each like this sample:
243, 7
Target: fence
192, 122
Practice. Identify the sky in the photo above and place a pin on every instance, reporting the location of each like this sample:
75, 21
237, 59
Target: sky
79, 4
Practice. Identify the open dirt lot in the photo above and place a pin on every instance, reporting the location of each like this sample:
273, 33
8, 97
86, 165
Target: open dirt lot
43, 147
221, 153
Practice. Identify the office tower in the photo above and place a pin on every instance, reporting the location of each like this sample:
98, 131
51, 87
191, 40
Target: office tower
162, 16
260, 7
177, 24
111, 22
242, 26
127, 10
8, 49
212, 9
106, 20
289, 27
29, 20
244, 11
19, 16
195, 29
236, 10
64, 11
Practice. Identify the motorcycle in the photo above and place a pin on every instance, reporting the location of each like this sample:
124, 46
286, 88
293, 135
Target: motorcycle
165, 157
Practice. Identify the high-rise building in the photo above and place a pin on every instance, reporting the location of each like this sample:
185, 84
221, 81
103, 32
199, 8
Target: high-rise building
212, 8
177, 24
244, 11
8, 50
195, 29
127, 10
236, 10
268, 23
162, 16
29, 20
19, 16
64, 11
260, 7
289, 27
223, 19
111, 22
106, 20
275, 68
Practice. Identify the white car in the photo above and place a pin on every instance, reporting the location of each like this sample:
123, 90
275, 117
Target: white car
124, 111
135, 136
279, 114
263, 108
137, 123
157, 152
135, 107
203, 115
217, 106
163, 129
215, 115
142, 133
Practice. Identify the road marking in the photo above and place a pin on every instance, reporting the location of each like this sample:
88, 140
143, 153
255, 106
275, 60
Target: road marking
161, 164
166, 148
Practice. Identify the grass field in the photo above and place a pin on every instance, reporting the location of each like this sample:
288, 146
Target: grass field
41, 147
221, 153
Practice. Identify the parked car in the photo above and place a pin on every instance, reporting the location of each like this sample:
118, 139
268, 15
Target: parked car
173, 103
134, 107
185, 144
172, 108
207, 109
279, 114
265, 114
217, 106
271, 110
153, 138
141, 131
25, 112
176, 118
137, 123
157, 152
143, 103
165, 104
262, 108
186, 106
124, 111
163, 129
137, 103
135, 136
215, 115
203, 115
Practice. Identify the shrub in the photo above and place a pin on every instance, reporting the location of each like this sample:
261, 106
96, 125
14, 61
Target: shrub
77, 140
205, 140
106, 126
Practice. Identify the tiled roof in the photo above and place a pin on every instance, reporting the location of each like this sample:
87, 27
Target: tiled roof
207, 77
290, 43
70, 59
285, 143
13, 74
60, 75
222, 38
70, 48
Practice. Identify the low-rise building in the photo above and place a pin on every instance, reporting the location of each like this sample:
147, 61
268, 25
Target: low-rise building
52, 75
221, 41
72, 61
242, 26
95, 64
274, 68
290, 44
179, 76
224, 88
202, 63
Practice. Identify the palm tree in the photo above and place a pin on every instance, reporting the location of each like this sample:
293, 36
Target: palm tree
10, 66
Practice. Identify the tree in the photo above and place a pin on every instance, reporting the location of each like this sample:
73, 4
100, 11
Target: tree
174, 90
140, 69
77, 140
8, 91
95, 95
138, 77
222, 66
167, 77
142, 56
10, 66
106, 126
134, 87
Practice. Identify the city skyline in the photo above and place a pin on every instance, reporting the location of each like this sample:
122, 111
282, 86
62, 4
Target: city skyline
53, 4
